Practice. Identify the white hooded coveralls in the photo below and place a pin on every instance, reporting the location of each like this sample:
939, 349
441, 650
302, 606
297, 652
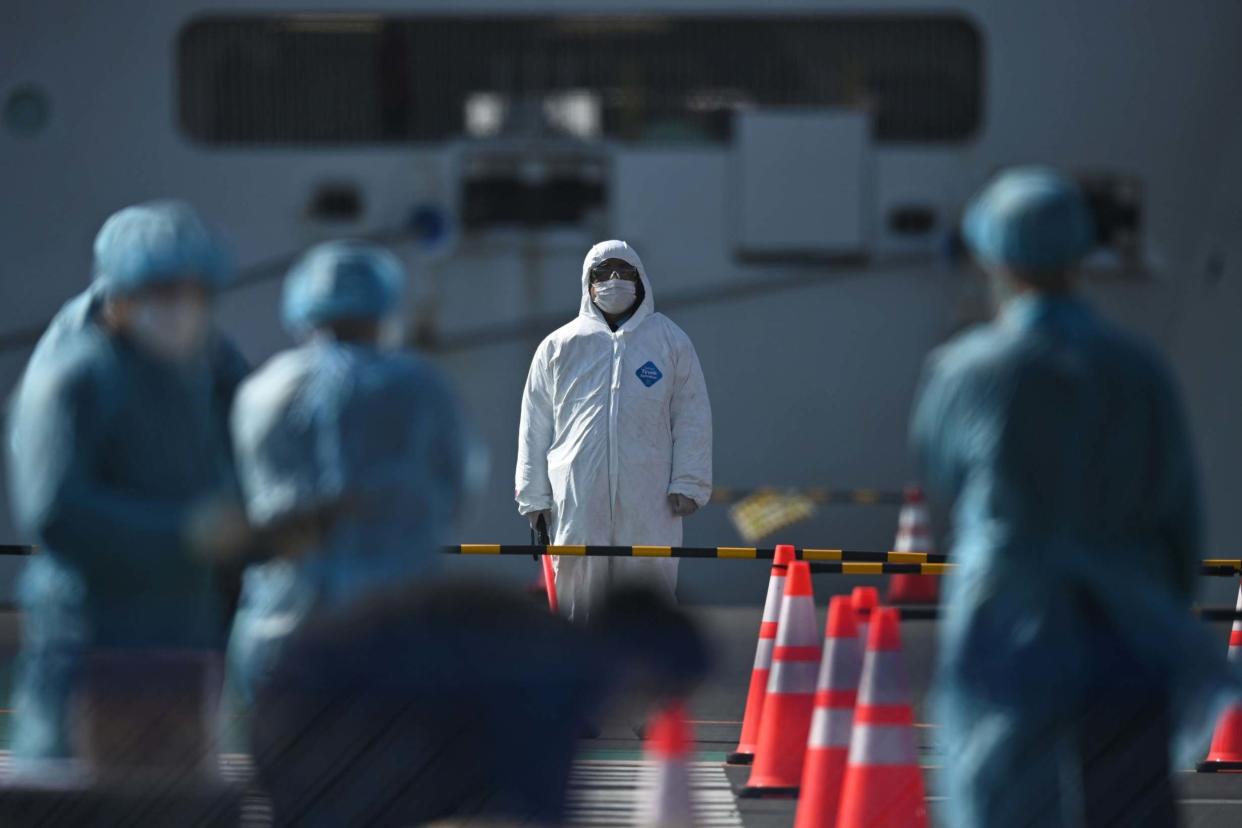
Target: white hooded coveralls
612, 424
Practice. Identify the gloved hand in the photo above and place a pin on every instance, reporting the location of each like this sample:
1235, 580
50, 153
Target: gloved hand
298, 534
533, 517
217, 529
682, 506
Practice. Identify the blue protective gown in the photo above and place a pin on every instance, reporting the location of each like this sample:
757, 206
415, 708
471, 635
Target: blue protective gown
109, 450
330, 425
1061, 441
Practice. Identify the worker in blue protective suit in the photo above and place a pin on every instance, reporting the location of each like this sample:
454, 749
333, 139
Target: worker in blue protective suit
351, 455
1069, 660
120, 468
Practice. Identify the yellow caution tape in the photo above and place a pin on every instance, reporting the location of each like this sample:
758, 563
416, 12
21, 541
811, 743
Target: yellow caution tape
737, 552
821, 554
480, 549
653, 551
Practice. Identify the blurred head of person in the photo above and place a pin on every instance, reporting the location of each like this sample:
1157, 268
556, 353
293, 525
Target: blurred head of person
657, 651
158, 266
458, 697
431, 700
1028, 228
348, 291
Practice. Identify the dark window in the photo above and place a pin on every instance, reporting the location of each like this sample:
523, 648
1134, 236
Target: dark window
338, 79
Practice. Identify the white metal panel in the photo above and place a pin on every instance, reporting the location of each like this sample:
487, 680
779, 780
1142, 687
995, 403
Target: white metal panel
801, 180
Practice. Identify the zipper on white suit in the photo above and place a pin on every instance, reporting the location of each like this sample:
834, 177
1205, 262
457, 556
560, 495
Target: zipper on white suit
614, 463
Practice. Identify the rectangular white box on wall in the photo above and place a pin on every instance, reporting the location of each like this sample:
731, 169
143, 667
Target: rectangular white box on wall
800, 183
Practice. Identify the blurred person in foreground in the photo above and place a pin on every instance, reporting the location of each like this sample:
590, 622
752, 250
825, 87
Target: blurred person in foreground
120, 471
456, 699
1069, 659
351, 455
615, 439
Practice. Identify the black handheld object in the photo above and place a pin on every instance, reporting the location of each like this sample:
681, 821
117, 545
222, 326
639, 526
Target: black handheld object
539, 535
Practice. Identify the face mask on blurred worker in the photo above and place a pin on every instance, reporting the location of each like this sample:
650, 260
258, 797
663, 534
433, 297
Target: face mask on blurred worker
1001, 287
172, 329
615, 295
392, 334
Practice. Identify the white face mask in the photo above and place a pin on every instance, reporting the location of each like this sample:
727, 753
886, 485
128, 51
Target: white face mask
615, 295
1000, 289
173, 330
392, 334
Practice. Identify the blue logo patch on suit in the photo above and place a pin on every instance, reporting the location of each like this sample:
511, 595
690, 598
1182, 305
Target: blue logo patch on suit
648, 374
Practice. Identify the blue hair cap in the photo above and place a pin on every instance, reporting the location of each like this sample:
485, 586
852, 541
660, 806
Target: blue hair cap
1029, 218
156, 242
340, 280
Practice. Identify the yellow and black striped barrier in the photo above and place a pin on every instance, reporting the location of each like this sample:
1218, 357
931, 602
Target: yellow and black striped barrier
842, 561
932, 612
740, 553
818, 495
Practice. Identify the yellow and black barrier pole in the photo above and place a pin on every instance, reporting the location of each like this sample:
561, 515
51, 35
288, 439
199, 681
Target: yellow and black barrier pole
931, 612
740, 553
834, 561
826, 561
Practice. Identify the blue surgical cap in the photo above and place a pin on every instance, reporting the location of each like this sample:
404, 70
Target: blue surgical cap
341, 280
1030, 218
155, 242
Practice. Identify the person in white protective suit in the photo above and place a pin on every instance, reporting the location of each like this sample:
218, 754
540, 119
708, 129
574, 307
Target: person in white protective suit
615, 442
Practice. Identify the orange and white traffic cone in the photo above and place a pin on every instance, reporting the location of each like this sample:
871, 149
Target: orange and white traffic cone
883, 784
668, 802
744, 754
1226, 751
864, 600
827, 749
787, 709
914, 535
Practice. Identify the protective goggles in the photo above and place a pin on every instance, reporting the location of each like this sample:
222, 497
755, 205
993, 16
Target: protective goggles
613, 269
